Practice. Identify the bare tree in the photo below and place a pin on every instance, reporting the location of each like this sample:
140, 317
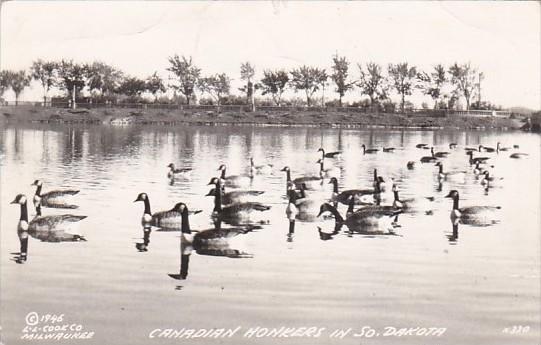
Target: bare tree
403, 77
187, 74
309, 79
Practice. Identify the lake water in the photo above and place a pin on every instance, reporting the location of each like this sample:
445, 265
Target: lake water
482, 284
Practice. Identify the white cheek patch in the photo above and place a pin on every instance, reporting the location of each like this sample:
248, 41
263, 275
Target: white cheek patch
23, 225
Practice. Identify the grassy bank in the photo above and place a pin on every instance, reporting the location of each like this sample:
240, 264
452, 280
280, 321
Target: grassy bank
124, 116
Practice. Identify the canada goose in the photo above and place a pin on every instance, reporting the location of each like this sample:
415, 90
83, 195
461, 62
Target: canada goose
312, 182
369, 219
46, 224
216, 235
410, 165
388, 149
264, 169
450, 175
328, 172
360, 196
169, 220
501, 148
178, 173
237, 196
487, 148
429, 159
473, 215
304, 209
239, 213
470, 149
54, 199
516, 146
368, 151
518, 155
234, 181
488, 180
324, 154
441, 154
476, 159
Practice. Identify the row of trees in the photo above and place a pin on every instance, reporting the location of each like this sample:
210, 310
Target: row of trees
104, 82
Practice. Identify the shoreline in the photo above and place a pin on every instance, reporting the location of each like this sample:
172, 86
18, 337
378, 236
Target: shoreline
120, 117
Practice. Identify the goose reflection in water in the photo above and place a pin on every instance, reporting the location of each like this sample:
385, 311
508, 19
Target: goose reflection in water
326, 235
143, 246
453, 237
22, 255
211, 242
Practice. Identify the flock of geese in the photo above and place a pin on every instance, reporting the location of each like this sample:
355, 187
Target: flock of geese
372, 209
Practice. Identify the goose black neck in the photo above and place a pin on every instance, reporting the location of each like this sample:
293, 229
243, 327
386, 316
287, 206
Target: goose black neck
222, 176
147, 206
303, 194
432, 151
24, 212
38, 190
334, 186
321, 166
218, 199
288, 176
351, 205
375, 175
441, 169
396, 196
338, 218
455, 202
185, 222
38, 210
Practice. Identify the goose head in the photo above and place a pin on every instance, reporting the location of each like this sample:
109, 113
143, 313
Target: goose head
180, 207
222, 167
171, 165
363, 146
438, 164
333, 180
37, 183
213, 180
19, 199
286, 168
453, 194
324, 208
321, 150
141, 197
480, 147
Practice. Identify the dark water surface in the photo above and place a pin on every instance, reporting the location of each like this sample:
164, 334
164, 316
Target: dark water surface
478, 283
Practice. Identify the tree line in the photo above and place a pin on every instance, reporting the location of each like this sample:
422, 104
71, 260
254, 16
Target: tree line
373, 82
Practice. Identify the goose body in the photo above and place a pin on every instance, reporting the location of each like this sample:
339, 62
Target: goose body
264, 169
47, 227
177, 172
324, 154
237, 196
429, 159
452, 146
245, 212
440, 154
368, 151
388, 149
360, 196
369, 219
411, 204
169, 219
327, 172
421, 146
311, 182
472, 215
450, 175
518, 155
486, 148
489, 180
474, 160
234, 181
54, 199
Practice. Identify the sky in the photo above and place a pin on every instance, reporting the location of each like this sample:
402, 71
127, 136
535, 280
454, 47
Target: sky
502, 39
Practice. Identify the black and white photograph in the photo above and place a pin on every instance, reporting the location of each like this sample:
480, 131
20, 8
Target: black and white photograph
270, 172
